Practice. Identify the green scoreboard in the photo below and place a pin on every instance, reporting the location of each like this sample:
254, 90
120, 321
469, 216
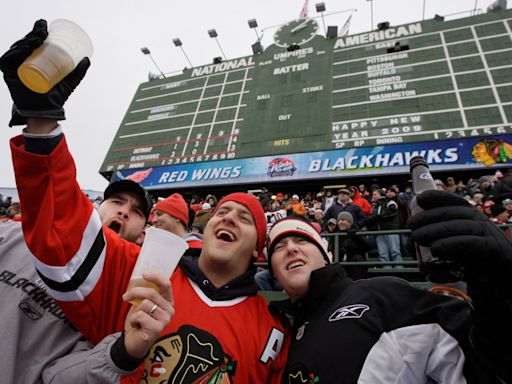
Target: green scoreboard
421, 82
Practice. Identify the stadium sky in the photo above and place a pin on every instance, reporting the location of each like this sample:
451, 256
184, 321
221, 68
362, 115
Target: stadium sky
119, 29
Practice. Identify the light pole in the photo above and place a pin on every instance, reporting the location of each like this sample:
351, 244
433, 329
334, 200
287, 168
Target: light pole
213, 34
147, 52
320, 7
177, 42
371, 11
253, 24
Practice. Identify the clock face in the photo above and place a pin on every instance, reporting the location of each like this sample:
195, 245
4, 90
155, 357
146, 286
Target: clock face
296, 32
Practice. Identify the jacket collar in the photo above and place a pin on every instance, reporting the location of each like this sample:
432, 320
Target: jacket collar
324, 283
243, 285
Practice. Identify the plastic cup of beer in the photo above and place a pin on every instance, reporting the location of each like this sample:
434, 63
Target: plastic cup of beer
160, 252
66, 45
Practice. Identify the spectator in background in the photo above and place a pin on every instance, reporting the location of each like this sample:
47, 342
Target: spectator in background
319, 200
357, 199
407, 195
275, 213
264, 280
310, 213
451, 186
204, 214
507, 204
7, 201
440, 185
392, 193
265, 198
212, 200
319, 216
191, 215
197, 228
286, 200
295, 207
328, 200
478, 199
499, 214
279, 199
171, 215
385, 217
461, 189
351, 247
486, 208
195, 204
344, 203
364, 192
485, 186
308, 198
502, 189
329, 228
376, 196
13, 212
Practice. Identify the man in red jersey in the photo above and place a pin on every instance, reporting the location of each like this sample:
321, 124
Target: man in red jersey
214, 333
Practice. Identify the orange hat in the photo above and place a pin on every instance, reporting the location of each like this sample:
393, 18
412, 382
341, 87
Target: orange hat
174, 206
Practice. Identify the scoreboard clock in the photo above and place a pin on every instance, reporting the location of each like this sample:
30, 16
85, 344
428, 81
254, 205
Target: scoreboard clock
296, 32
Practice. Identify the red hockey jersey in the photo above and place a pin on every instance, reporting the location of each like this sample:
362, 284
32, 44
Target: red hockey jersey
87, 267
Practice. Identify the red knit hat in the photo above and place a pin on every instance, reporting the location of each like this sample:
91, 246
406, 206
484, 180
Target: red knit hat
253, 205
174, 206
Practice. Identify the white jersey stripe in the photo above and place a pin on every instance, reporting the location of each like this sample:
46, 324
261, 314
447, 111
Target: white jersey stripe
65, 273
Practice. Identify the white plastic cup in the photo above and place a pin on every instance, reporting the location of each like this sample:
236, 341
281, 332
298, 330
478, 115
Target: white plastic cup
66, 45
160, 252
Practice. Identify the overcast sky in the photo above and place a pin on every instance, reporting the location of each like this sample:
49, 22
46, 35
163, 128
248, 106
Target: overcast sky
119, 29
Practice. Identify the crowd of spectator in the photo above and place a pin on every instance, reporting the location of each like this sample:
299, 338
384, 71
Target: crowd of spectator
9, 209
349, 209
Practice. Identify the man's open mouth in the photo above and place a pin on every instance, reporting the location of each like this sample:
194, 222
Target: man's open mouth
295, 264
225, 236
115, 226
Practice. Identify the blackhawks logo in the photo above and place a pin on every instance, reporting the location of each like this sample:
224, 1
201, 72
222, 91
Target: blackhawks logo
189, 356
491, 151
300, 375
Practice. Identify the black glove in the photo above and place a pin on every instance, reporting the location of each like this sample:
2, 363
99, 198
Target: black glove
454, 230
26, 102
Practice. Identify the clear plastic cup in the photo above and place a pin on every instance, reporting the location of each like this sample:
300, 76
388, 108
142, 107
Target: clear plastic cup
66, 45
160, 252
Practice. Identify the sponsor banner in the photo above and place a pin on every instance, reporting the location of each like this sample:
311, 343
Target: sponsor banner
471, 153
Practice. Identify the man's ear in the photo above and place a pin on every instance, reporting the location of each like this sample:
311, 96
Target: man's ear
255, 254
140, 238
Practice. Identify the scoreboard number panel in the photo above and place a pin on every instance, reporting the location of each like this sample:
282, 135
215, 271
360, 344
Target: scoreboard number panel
418, 82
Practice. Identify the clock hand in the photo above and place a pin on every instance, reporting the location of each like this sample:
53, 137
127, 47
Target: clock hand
299, 27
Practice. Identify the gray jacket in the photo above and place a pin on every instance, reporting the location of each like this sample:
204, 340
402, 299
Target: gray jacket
39, 345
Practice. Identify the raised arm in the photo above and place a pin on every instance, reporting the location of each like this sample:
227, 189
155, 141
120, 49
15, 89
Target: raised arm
84, 266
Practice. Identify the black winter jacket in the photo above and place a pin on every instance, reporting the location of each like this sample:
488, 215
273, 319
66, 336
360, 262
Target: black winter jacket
380, 330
